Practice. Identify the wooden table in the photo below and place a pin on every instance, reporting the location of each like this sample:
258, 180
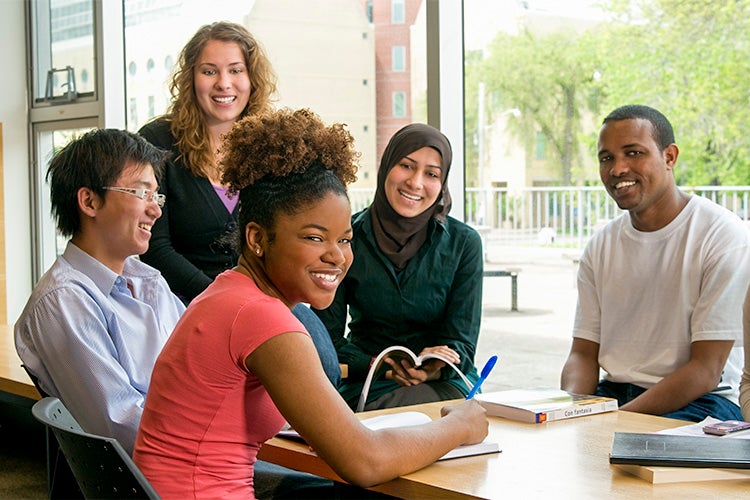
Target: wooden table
555, 460
13, 378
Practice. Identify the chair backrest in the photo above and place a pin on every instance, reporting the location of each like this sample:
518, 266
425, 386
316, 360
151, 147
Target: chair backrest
35, 381
60, 480
101, 466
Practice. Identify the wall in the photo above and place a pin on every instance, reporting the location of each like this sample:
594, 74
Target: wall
322, 53
14, 117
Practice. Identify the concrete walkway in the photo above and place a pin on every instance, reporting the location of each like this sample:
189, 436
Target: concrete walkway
532, 343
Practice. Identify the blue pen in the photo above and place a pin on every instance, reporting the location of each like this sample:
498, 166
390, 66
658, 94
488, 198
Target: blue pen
488, 366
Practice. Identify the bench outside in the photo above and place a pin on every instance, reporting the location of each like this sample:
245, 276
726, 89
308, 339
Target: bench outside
513, 275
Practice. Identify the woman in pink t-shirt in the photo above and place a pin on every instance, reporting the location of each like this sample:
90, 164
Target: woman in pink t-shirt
239, 364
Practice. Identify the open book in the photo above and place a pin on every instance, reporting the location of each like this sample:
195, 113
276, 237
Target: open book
398, 353
409, 418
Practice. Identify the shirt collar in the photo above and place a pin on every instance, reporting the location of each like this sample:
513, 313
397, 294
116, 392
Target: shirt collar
102, 276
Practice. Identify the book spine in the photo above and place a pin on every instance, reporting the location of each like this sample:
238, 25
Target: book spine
577, 411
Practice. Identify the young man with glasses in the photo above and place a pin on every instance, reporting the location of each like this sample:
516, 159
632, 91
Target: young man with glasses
98, 318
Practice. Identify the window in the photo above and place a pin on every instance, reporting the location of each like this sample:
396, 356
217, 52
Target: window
398, 14
133, 112
399, 104
48, 138
398, 58
541, 146
100, 38
62, 48
333, 54
75, 69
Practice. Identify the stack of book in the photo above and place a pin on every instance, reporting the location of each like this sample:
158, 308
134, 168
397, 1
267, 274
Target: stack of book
682, 454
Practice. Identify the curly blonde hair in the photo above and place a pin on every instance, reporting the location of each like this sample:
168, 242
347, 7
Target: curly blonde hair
187, 122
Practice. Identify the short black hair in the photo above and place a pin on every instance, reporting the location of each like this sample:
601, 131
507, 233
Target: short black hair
94, 160
266, 198
662, 131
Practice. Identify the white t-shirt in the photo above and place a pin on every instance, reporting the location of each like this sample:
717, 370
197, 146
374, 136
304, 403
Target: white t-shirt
644, 297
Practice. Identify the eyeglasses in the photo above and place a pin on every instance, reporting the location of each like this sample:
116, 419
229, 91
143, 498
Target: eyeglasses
144, 194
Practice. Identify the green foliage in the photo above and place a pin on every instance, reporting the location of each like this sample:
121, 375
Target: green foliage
691, 60
548, 82
688, 58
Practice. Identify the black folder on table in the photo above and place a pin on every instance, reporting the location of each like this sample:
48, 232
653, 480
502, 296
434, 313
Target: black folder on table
680, 451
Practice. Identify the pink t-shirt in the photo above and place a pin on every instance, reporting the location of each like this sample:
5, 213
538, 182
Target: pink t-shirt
206, 414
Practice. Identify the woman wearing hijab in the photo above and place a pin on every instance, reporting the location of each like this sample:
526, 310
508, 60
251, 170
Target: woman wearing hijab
416, 280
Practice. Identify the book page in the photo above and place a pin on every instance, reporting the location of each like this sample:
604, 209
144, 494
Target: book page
401, 352
407, 419
697, 430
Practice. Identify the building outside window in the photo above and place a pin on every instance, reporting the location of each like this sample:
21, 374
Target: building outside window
399, 104
398, 14
398, 58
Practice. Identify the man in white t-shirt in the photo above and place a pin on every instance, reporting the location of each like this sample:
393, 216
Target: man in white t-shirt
660, 288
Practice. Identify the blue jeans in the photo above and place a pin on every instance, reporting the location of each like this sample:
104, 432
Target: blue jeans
322, 341
708, 405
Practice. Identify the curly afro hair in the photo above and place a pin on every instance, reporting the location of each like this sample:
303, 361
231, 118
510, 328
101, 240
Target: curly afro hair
284, 161
278, 143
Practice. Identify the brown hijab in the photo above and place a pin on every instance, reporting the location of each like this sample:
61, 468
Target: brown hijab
400, 238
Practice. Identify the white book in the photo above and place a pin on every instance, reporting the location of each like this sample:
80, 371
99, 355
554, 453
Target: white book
409, 418
542, 404
398, 353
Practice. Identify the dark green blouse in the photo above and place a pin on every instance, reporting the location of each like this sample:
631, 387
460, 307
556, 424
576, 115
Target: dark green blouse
435, 300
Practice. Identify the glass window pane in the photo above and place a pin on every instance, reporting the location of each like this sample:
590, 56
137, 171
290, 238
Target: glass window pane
399, 58
50, 138
332, 53
399, 104
63, 50
397, 12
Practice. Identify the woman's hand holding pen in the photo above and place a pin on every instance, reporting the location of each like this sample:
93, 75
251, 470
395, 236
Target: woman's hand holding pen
470, 415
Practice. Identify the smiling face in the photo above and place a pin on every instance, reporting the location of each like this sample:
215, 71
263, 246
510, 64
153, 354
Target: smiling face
311, 251
634, 171
222, 82
123, 221
414, 183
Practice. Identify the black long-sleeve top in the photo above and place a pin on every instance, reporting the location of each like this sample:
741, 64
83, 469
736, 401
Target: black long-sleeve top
186, 241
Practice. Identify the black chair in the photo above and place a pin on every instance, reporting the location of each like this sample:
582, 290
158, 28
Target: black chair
102, 468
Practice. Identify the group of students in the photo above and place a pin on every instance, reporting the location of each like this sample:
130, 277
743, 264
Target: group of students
240, 212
